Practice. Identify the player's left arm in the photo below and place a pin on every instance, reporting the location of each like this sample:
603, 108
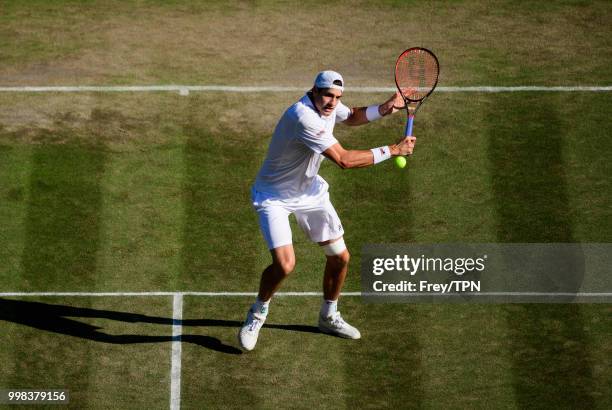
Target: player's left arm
346, 159
358, 115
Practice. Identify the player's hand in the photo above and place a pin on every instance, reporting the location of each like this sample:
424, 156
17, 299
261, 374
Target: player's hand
404, 147
393, 104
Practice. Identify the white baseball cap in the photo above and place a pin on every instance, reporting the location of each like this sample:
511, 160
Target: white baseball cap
329, 79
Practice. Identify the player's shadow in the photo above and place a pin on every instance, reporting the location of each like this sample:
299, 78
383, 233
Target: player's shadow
58, 319
234, 323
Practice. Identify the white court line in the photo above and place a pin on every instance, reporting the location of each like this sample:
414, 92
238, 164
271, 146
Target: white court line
187, 293
186, 89
234, 294
175, 372
24, 294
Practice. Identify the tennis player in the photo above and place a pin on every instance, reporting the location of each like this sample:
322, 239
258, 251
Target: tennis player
288, 183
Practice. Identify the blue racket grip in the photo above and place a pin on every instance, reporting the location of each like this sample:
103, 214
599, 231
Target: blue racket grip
408, 131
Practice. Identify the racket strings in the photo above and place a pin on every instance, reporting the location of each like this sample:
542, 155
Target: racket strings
416, 74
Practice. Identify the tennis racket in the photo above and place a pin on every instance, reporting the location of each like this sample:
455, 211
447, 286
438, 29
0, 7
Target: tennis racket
416, 76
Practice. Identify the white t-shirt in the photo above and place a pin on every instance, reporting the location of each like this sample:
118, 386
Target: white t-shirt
295, 152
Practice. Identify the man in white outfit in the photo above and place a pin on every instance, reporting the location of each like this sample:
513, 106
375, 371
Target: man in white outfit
288, 183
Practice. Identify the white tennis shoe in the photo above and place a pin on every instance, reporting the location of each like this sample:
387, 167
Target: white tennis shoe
250, 330
335, 325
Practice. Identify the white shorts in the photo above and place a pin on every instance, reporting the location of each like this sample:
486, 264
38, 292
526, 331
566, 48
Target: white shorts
315, 215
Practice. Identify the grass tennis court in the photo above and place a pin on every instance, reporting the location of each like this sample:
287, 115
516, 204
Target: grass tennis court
149, 192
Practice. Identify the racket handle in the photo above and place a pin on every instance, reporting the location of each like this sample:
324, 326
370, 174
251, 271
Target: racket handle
408, 131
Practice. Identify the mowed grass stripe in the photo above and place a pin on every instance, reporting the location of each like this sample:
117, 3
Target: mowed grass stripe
143, 217
61, 240
14, 174
414, 349
534, 177
292, 363
63, 217
461, 353
220, 237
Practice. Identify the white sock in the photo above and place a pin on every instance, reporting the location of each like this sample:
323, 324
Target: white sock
260, 307
329, 307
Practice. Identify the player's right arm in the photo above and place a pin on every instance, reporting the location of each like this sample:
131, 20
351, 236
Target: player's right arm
346, 159
358, 115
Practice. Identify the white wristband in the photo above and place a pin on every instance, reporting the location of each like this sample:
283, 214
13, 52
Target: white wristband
381, 154
372, 113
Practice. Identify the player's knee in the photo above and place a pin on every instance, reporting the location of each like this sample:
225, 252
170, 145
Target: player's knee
340, 260
285, 266
337, 253
345, 257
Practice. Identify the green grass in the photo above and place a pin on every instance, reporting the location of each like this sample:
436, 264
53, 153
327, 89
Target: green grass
435, 356
156, 198
104, 350
265, 42
150, 191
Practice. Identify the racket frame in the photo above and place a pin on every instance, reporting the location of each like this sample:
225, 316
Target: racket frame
413, 105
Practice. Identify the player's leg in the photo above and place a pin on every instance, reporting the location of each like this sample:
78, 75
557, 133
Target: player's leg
321, 223
336, 269
274, 224
283, 262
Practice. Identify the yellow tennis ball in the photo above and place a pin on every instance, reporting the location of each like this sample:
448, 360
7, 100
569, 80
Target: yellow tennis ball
400, 161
